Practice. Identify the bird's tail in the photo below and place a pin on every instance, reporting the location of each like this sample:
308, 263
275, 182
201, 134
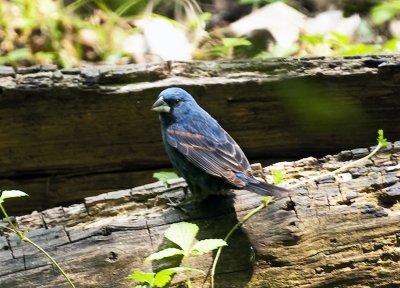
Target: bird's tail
260, 187
265, 189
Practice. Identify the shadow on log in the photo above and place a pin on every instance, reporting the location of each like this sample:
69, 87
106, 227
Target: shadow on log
71, 133
342, 232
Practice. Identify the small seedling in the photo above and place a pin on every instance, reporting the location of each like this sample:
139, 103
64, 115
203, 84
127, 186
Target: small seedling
8, 194
226, 49
184, 236
381, 139
277, 176
164, 176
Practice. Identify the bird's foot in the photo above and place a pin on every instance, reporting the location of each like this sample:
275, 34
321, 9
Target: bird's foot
184, 204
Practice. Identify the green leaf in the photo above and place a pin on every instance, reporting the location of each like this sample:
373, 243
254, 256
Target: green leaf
205, 246
16, 55
381, 139
357, 49
165, 176
278, 176
235, 42
182, 234
391, 45
169, 252
164, 277
313, 39
142, 277
339, 40
385, 11
205, 17
11, 194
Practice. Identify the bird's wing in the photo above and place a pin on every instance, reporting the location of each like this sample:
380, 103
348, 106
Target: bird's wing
221, 158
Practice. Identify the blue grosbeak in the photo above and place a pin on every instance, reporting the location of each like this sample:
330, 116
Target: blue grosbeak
202, 151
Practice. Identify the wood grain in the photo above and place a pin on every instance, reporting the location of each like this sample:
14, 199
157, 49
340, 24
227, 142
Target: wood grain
71, 133
341, 231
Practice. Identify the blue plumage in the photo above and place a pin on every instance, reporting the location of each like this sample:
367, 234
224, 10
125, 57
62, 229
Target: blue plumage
202, 151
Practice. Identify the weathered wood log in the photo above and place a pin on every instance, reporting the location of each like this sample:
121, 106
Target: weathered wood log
341, 232
66, 134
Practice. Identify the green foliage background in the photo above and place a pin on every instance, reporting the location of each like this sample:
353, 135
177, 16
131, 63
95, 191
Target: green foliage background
91, 31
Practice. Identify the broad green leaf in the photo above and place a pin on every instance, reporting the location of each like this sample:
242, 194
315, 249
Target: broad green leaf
381, 138
385, 11
142, 277
278, 51
235, 42
11, 194
391, 45
277, 176
164, 277
357, 49
339, 40
205, 17
165, 176
205, 246
169, 252
182, 234
313, 39
16, 55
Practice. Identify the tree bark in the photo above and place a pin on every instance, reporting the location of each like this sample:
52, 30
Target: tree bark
337, 232
71, 133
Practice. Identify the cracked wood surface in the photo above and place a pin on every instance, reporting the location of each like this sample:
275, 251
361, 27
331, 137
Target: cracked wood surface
342, 231
71, 133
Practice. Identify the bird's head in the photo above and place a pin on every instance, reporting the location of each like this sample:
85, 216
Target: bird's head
174, 101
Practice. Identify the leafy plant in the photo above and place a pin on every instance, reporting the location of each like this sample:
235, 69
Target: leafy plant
7, 194
385, 11
183, 235
278, 51
381, 139
338, 45
342, 46
278, 176
227, 47
382, 142
164, 176
159, 279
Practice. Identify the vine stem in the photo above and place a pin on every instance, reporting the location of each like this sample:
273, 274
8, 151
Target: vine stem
265, 203
185, 262
26, 239
343, 168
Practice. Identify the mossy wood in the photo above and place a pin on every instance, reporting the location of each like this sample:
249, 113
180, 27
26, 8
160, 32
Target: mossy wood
66, 134
338, 232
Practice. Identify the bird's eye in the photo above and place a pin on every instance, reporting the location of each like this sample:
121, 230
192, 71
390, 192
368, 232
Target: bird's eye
176, 102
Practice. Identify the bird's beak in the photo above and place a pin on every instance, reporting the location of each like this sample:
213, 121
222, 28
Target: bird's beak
161, 106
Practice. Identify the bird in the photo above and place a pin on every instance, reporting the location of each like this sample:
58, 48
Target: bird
202, 152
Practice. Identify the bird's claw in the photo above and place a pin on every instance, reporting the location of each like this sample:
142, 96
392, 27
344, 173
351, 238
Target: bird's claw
178, 205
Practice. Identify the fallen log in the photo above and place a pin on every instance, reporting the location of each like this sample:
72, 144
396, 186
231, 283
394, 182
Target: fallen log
337, 232
71, 133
